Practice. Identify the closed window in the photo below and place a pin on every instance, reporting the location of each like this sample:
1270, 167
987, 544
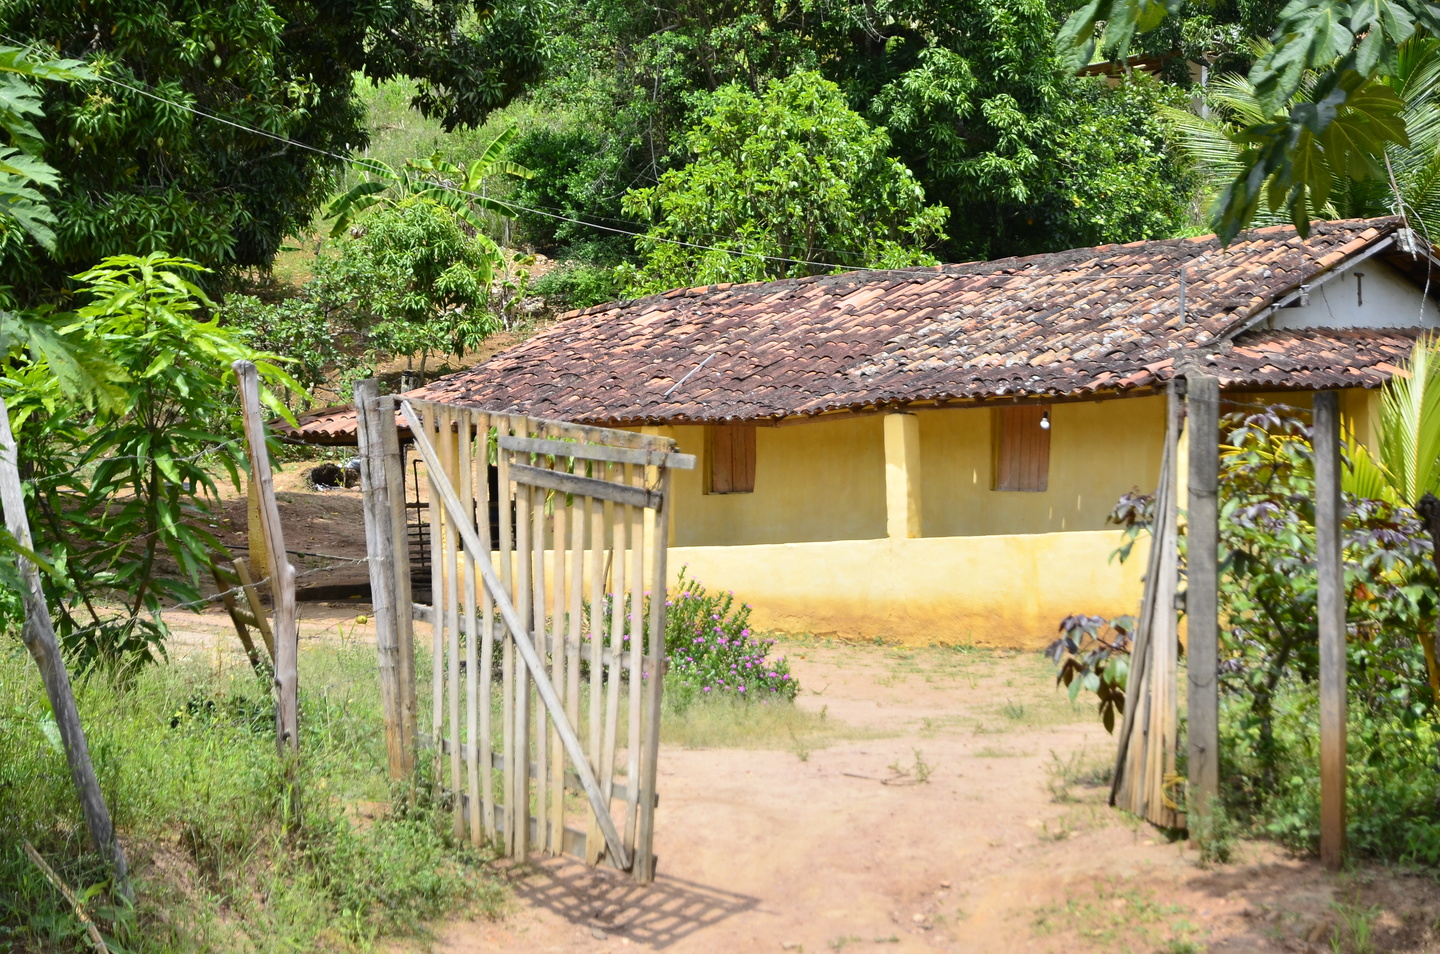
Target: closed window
730, 456
1022, 447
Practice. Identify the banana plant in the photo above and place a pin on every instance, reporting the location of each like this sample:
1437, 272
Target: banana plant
458, 188
1407, 468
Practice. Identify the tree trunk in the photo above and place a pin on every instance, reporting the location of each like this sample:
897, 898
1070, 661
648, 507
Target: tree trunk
38, 635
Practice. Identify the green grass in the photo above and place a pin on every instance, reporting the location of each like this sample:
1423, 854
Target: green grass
186, 759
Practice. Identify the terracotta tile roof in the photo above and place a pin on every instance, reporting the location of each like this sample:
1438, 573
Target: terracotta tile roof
1313, 358
1071, 322
1076, 322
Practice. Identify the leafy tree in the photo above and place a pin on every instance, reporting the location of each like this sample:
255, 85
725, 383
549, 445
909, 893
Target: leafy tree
792, 174
971, 92
142, 175
123, 494
1297, 150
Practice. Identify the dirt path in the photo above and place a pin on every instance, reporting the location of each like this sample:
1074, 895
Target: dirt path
942, 823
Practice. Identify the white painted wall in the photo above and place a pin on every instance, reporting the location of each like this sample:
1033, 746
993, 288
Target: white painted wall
1369, 295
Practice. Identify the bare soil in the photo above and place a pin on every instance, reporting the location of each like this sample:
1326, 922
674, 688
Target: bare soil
954, 801
966, 813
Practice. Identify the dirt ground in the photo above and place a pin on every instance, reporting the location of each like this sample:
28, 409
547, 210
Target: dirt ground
964, 813
954, 802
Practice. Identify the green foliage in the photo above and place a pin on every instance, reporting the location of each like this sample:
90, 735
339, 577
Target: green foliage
1269, 657
970, 92
120, 490
1295, 152
140, 175
185, 755
1408, 467
23, 171
1093, 654
713, 652
789, 174
1235, 104
574, 284
410, 278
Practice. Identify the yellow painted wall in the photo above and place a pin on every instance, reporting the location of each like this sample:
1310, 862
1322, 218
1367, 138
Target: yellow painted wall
998, 590
1098, 451
814, 481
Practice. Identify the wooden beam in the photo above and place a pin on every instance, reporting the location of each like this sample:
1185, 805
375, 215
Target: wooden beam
1202, 600
1330, 613
38, 635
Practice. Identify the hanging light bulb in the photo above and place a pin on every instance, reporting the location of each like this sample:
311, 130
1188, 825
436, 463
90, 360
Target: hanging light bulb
1045, 421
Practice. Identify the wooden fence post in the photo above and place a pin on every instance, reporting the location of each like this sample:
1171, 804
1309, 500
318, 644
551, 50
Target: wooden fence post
380, 547
38, 634
394, 463
1330, 613
1202, 599
282, 575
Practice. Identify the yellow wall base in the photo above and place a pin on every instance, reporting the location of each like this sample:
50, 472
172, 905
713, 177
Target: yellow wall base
1005, 591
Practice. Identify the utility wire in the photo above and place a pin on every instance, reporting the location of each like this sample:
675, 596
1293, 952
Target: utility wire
929, 270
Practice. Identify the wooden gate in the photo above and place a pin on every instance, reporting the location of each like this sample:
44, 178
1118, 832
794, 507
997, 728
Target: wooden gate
548, 650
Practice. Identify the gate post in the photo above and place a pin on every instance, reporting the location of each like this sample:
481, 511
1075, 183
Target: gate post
1330, 615
380, 549
1202, 601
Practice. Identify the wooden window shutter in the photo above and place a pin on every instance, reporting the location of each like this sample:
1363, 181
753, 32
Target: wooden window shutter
1022, 448
731, 457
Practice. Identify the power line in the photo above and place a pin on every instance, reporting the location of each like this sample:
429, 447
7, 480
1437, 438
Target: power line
932, 270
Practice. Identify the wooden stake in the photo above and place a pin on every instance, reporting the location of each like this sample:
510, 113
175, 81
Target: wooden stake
90, 930
38, 634
1330, 612
394, 464
379, 547
1202, 600
282, 582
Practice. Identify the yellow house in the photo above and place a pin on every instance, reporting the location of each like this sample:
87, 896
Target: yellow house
929, 455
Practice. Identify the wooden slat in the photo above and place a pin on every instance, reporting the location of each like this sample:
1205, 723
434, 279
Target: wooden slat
448, 441
619, 518
486, 667
559, 566
465, 467
597, 663
636, 682
379, 547
282, 575
601, 452
648, 779
520, 764
1330, 613
394, 464
542, 647
257, 611
507, 654
585, 486
437, 599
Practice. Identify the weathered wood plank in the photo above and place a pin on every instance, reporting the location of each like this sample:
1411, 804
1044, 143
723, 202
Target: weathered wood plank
1330, 617
282, 574
1202, 601
584, 486
601, 452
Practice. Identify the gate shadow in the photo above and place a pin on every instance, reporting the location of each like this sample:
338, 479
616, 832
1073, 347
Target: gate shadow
656, 915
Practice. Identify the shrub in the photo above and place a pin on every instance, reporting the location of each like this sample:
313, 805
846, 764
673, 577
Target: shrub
712, 649
1269, 655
